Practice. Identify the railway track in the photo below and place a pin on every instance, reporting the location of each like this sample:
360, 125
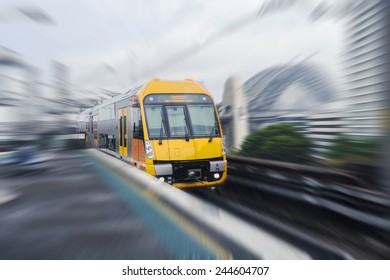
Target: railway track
323, 233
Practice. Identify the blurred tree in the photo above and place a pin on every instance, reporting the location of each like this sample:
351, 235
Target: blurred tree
356, 156
233, 151
348, 150
281, 142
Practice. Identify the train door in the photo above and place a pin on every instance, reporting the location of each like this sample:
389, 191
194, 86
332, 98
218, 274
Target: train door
123, 134
137, 147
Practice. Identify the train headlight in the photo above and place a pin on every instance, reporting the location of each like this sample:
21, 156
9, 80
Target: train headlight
216, 175
149, 150
223, 146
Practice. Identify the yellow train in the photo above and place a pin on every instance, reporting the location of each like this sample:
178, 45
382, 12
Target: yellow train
170, 129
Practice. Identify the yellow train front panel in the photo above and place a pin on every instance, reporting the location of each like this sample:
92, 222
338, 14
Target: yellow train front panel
183, 138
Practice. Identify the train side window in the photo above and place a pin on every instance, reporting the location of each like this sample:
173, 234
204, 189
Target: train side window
120, 132
125, 131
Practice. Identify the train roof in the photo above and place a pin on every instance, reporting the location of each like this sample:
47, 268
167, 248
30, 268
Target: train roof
155, 86
115, 99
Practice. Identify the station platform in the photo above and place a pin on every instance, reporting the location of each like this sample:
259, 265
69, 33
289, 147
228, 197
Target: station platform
85, 204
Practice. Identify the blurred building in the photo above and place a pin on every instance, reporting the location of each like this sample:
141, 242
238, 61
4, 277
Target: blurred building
234, 113
30, 107
324, 125
366, 67
366, 76
17, 96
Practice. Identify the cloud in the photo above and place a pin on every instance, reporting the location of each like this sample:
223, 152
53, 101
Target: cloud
114, 46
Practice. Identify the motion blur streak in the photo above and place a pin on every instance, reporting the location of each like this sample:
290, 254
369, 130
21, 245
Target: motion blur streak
303, 82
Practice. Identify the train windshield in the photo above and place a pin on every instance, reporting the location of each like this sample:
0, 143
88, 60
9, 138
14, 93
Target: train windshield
192, 116
178, 123
155, 121
203, 120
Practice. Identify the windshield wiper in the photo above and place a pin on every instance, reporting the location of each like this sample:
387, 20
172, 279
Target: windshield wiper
213, 131
161, 128
187, 135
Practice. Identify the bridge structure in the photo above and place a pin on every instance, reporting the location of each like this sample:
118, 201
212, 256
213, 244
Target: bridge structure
298, 93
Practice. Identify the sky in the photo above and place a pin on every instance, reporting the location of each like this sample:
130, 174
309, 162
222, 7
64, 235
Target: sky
115, 45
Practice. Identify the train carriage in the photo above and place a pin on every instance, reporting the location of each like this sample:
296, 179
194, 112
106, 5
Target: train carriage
170, 129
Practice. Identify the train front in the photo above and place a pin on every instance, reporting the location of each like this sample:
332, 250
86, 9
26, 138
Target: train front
184, 144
